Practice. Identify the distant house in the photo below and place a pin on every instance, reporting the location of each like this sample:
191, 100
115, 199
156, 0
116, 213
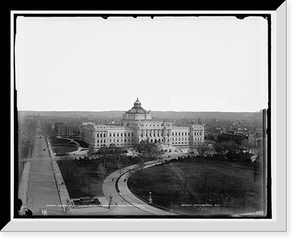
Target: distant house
61, 129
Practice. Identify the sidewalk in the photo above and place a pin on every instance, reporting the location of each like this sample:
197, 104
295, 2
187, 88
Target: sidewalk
127, 195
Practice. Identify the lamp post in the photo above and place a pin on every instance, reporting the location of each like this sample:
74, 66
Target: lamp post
150, 198
110, 198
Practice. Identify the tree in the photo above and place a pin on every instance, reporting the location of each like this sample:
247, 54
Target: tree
207, 188
228, 150
183, 181
91, 151
223, 197
102, 170
148, 150
201, 148
103, 152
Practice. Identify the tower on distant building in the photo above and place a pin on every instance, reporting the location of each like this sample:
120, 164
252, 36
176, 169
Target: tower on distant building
137, 112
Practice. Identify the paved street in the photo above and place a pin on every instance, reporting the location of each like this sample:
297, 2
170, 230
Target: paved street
125, 202
42, 190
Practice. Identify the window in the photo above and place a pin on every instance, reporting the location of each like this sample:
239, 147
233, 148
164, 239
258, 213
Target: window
117, 134
124, 134
114, 134
117, 140
101, 135
109, 135
121, 135
124, 140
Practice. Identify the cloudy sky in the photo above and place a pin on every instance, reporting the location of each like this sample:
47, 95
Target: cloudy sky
169, 63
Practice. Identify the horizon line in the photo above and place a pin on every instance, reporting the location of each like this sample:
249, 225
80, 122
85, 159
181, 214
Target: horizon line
127, 110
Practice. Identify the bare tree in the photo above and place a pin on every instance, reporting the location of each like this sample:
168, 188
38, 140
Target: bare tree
91, 151
183, 182
201, 148
223, 197
244, 198
102, 170
207, 188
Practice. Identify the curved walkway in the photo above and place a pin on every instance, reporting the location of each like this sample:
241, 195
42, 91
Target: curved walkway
123, 201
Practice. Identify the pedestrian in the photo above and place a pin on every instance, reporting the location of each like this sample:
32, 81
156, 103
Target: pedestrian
67, 206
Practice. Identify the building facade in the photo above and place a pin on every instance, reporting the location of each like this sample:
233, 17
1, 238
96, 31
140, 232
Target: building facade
137, 125
61, 129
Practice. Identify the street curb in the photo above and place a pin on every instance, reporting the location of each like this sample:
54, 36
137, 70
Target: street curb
125, 192
60, 183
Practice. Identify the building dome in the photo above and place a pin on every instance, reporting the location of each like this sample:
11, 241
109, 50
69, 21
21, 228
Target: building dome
137, 103
137, 108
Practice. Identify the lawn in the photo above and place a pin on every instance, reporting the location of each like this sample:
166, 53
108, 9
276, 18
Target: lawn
82, 178
201, 186
82, 143
62, 145
62, 149
85, 177
54, 140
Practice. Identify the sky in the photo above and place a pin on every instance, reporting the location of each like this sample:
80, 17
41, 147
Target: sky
169, 63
